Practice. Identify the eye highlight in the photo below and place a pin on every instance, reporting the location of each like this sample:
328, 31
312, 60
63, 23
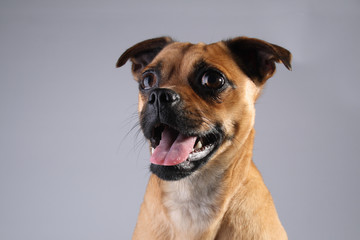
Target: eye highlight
212, 80
148, 80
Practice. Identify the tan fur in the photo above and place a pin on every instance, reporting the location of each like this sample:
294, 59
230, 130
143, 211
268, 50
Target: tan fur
226, 198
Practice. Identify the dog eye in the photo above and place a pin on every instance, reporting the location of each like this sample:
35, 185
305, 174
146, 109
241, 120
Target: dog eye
212, 79
148, 81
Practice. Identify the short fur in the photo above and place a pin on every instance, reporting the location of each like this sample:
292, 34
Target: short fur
223, 196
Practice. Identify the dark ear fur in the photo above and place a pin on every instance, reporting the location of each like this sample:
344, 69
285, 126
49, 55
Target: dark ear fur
142, 53
257, 58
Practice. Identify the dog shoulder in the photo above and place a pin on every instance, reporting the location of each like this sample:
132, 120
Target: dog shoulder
242, 219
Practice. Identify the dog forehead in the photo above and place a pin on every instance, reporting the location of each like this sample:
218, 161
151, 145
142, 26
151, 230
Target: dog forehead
183, 56
180, 52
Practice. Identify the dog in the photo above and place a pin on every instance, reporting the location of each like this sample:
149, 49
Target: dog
196, 107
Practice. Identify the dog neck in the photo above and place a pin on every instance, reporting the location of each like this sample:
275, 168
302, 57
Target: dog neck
194, 202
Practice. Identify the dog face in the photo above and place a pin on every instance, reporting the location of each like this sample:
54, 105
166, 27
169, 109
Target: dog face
196, 101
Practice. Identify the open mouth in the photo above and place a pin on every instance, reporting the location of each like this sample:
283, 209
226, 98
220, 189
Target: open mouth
169, 147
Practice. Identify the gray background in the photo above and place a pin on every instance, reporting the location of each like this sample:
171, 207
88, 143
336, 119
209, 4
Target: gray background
72, 168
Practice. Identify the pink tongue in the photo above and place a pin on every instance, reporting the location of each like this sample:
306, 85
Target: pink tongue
173, 149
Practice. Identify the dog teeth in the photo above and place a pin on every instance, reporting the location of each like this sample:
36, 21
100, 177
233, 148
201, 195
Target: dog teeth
199, 154
198, 145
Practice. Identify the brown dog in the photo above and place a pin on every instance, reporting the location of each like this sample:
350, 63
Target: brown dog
196, 105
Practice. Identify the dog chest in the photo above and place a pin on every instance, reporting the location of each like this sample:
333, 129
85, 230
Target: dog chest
191, 205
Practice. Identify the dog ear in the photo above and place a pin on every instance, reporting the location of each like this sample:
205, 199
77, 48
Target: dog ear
142, 53
257, 58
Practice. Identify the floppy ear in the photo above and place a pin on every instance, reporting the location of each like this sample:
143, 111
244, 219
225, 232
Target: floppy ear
142, 53
257, 58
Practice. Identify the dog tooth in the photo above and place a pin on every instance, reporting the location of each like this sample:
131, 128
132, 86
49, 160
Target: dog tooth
152, 150
198, 145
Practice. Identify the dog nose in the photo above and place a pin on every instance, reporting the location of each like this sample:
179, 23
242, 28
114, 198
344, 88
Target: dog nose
163, 96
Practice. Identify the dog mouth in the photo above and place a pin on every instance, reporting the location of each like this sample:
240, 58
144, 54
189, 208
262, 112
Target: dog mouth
170, 147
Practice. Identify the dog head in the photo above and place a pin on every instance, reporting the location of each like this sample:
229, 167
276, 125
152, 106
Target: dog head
196, 101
